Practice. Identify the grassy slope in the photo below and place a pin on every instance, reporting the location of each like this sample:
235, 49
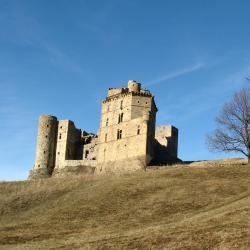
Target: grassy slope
195, 207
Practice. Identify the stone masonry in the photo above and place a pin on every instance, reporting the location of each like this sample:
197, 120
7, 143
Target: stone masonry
127, 140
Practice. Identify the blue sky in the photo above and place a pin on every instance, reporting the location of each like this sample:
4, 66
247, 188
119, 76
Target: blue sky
59, 57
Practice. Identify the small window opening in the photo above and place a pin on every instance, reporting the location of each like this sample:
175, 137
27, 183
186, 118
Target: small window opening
58, 153
138, 101
46, 136
120, 118
39, 165
44, 152
60, 136
47, 125
121, 104
107, 122
60, 126
106, 137
86, 154
119, 134
138, 130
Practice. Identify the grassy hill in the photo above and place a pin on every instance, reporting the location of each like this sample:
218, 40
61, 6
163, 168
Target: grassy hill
204, 205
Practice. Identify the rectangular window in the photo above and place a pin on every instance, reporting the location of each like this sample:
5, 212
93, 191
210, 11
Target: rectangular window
120, 118
138, 130
119, 134
86, 154
107, 122
106, 137
121, 105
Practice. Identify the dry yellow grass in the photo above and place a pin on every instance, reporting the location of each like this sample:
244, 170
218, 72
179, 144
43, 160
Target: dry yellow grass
200, 206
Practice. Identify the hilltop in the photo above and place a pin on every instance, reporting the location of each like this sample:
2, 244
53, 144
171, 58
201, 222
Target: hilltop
204, 205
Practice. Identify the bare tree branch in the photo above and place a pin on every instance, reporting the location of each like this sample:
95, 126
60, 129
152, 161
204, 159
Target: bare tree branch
233, 132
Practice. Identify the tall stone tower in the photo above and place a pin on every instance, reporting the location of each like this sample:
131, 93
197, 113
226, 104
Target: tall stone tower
46, 147
127, 129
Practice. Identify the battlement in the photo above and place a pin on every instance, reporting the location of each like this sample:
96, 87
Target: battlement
133, 87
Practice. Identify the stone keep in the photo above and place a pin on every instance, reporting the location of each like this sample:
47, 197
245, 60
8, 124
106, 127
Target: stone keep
127, 128
127, 140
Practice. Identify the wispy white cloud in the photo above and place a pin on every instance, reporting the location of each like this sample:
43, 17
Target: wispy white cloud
20, 27
210, 96
177, 73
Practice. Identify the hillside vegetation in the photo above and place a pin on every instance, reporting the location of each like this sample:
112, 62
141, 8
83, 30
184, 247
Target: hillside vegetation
204, 205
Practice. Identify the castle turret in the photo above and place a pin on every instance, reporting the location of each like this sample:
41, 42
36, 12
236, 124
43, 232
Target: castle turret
134, 86
46, 147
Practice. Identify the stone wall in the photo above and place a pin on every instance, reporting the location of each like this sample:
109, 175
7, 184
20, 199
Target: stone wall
166, 144
46, 146
68, 143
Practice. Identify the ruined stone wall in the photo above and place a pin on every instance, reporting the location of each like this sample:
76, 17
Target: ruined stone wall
90, 150
167, 136
166, 144
68, 142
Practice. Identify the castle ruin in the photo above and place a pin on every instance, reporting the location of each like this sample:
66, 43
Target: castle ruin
127, 139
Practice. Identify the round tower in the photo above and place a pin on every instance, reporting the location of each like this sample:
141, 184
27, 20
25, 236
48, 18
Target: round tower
46, 145
134, 86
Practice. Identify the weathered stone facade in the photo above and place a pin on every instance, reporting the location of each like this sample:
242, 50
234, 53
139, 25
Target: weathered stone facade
127, 138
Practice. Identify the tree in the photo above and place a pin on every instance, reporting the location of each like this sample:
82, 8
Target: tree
233, 131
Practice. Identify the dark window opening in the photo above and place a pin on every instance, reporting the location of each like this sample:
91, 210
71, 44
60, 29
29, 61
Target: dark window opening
106, 137
47, 125
107, 122
58, 153
60, 136
119, 134
86, 154
46, 136
60, 126
44, 152
138, 130
121, 105
120, 118
138, 101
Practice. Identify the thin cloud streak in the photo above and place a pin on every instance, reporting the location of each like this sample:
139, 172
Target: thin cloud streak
176, 73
